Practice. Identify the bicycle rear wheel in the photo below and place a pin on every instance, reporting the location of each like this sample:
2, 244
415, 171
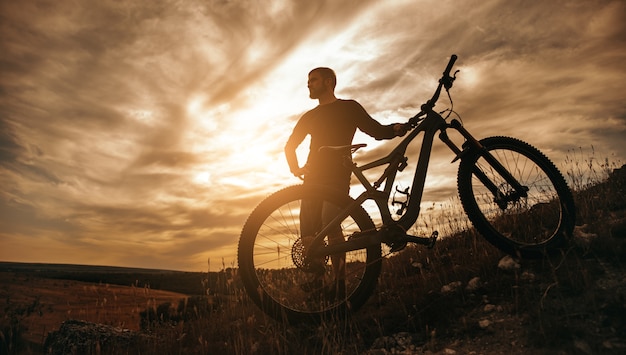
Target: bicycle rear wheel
272, 267
529, 226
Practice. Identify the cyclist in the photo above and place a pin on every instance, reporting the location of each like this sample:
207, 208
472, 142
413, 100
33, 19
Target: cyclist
332, 123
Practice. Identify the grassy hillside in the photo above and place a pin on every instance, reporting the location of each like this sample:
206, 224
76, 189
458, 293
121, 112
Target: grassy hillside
461, 297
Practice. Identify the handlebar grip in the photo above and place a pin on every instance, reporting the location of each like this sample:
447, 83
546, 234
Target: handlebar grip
450, 65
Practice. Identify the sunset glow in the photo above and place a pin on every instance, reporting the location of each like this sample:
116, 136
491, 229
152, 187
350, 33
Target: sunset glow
142, 134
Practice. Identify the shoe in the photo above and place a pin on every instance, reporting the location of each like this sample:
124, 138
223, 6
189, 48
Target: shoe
315, 267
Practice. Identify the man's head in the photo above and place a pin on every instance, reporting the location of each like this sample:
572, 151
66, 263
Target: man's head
322, 83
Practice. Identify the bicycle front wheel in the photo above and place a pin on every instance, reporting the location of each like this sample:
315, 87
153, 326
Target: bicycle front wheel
273, 268
528, 224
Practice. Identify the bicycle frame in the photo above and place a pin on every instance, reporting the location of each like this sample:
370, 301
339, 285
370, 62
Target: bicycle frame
431, 124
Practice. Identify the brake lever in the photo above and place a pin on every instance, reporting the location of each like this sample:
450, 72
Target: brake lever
413, 121
447, 82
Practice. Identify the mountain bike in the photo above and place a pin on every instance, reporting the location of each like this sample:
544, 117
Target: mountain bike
512, 193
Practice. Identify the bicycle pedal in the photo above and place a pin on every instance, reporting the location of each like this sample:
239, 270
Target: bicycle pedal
433, 240
397, 246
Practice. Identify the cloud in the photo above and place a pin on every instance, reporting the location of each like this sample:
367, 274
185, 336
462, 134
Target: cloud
150, 130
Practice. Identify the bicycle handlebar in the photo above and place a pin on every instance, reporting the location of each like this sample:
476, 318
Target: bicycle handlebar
445, 81
446, 73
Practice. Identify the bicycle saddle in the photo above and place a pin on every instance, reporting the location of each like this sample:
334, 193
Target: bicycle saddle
353, 147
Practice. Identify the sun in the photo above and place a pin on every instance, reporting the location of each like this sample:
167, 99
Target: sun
237, 146
202, 178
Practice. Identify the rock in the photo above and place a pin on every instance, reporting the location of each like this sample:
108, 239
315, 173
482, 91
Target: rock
579, 233
402, 341
474, 284
451, 287
484, 323
614, 344
508, 264
583, 347
79, 337
527, 276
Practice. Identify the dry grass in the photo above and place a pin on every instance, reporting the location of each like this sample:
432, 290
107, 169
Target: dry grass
32, 306
569, 303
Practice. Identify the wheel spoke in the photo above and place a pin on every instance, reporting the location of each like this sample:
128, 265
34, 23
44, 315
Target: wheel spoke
510, 220
276, 273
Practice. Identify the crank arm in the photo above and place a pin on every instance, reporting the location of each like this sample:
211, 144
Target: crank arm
360, 241
427, 241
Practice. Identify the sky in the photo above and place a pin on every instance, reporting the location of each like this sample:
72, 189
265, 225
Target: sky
142, 134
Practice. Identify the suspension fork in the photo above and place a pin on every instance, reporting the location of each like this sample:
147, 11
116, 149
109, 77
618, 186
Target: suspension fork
472, 144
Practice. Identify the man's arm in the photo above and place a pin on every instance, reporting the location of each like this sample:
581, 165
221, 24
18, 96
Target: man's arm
292, 161
373, 128
290, 153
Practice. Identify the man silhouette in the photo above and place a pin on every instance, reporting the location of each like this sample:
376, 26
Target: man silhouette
332, 123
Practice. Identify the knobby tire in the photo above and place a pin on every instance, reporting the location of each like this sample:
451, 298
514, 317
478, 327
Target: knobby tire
529, 227
270, 259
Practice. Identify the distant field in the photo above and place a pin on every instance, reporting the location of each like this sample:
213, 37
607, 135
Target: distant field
190, 283
41, 303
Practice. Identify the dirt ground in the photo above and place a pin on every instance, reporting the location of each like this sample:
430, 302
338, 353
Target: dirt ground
41, 305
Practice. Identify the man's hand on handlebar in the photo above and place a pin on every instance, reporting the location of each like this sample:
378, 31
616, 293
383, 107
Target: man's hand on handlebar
400, 129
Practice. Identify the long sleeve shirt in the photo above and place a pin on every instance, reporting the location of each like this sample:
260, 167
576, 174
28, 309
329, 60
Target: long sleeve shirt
332, 124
